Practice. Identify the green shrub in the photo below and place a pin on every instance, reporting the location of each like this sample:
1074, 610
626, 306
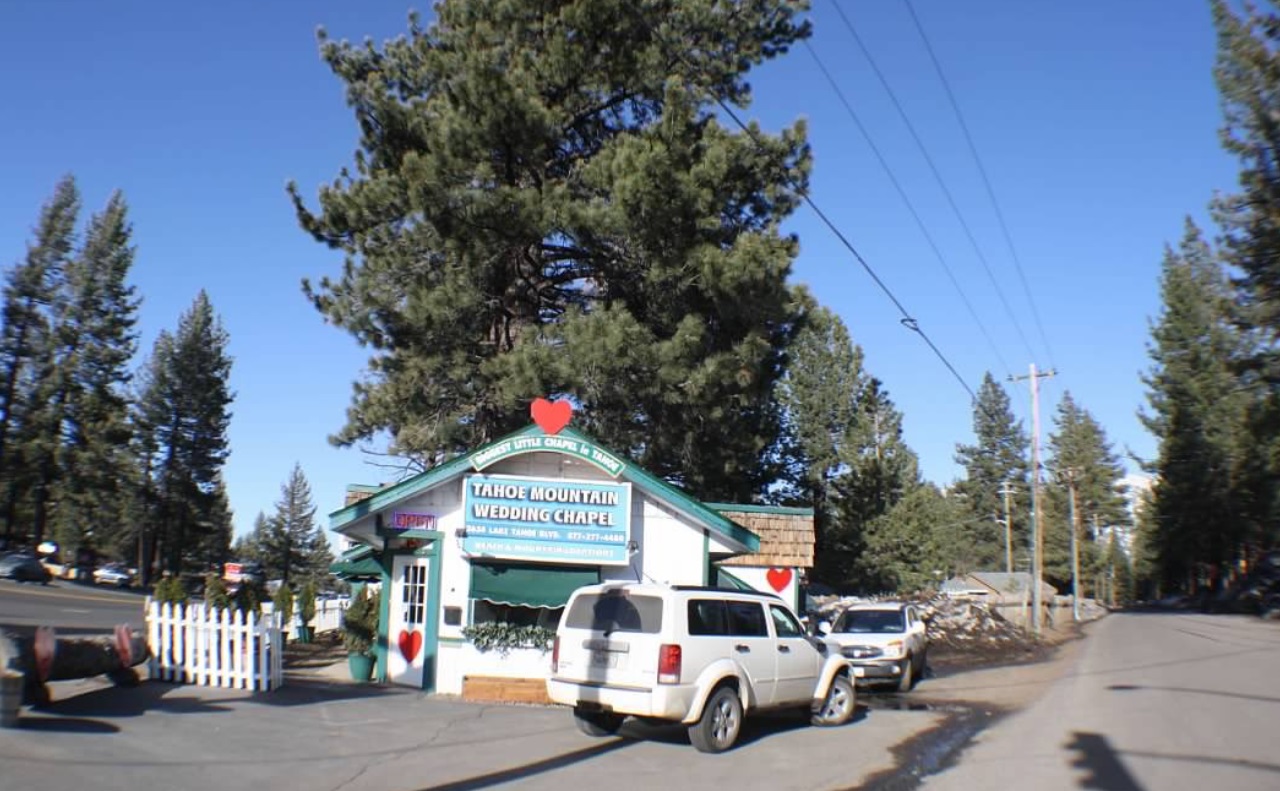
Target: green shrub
505, 636
360, 624
307, 603
283, 603
170, 589
215, 592
248, 598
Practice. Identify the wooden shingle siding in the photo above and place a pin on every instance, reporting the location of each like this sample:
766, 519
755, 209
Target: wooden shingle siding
786, 540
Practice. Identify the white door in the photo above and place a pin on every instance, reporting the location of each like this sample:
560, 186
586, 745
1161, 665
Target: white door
407, 620
799, 663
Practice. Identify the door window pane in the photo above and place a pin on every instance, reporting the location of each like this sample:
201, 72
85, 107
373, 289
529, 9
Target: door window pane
784, 623
746, 619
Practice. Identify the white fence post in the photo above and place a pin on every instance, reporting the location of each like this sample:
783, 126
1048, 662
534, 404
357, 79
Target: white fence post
211, 646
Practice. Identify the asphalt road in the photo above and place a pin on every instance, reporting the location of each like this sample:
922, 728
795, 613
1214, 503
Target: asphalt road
1145, 703
1153, 701
69, 607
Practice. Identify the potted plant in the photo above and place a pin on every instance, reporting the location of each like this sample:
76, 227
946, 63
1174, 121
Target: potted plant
282, 603
359, 635
306, 611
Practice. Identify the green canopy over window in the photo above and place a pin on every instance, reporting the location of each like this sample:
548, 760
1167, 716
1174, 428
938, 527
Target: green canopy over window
528, 585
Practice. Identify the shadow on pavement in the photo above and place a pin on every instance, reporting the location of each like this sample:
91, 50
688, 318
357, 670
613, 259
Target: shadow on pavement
535, 768
1215, 693
130, 702
66, 725
1105, 771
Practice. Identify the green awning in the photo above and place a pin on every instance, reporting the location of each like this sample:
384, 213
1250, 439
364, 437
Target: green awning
726, 580
528, 585
357, 563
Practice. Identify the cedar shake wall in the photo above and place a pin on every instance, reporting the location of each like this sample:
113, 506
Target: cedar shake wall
786, 540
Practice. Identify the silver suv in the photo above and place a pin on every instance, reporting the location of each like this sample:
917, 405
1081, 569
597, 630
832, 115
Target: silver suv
887, 641
699, 656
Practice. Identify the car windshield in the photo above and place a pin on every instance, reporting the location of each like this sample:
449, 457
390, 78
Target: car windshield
869, 621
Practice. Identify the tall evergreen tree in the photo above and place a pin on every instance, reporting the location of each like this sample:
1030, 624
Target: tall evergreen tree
1081, 459
1248, 77
100, 344
289, 549
881, 472
819, 394
545, 201
1196, 410
998, 456
910, 547
183, 415
27, 354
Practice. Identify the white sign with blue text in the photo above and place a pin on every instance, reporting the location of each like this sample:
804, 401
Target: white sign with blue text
547, 520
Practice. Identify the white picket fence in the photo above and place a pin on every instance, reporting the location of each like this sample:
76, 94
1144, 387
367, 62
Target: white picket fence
195, 644
328, 614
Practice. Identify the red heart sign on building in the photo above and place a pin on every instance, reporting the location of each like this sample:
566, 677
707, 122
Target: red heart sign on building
551, 416
778, 579
410, 643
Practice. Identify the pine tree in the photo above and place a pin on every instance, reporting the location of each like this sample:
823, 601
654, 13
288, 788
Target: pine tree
289, 549
27, 358
999, 456
881, 472
95, 467
545, 201
182, 422
1196, 410
1081, 459
819, 394
1248, 77
909, 548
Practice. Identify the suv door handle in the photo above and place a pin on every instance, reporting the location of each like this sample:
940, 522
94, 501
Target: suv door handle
784, 649
742, 648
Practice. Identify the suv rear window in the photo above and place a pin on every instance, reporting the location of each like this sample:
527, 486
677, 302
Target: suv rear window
616, 612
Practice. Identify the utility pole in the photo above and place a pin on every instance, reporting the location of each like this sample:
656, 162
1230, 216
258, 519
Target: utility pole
1006, 489
1037, 537
1075, 547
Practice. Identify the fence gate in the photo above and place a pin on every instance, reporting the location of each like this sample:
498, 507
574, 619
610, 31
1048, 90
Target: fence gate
197, 644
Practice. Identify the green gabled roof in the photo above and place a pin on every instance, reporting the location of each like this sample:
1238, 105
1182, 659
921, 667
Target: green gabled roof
781, 510
651, 484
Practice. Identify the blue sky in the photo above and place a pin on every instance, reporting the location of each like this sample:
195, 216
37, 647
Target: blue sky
1097, 123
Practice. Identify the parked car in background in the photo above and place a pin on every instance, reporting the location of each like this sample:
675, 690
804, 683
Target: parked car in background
24, 568
703, 657
113, 574
886, 640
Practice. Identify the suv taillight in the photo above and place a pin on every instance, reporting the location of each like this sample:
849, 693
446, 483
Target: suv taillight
555, 654
669, 657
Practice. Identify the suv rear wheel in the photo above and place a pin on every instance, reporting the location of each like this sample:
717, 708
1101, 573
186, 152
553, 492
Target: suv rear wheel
597, 723
721, 721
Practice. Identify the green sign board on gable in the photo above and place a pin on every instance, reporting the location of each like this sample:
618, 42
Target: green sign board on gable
579, 449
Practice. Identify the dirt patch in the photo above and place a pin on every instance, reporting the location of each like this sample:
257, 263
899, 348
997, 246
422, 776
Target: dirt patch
324, 649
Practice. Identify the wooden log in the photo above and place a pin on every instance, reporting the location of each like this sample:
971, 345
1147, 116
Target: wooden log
43, 657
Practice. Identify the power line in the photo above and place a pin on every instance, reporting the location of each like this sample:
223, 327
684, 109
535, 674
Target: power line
986, 182
907, 319
937, 175
893, 179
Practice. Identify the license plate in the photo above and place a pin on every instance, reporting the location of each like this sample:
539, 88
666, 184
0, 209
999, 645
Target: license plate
604, 659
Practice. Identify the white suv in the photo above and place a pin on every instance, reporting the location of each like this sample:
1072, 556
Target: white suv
887, 641
699, 656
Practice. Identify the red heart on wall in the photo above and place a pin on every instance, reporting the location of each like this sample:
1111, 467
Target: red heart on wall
551, 416
778, 579
410, 644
